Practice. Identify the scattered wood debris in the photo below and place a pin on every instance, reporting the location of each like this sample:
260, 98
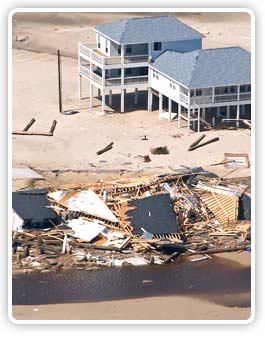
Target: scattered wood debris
25, 131
194, 147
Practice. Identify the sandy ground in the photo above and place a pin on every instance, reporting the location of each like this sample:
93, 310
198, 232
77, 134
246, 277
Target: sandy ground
154, 308
77, 138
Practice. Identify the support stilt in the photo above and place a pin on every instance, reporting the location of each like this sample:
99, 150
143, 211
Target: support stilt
122, 100
91, 95
179, 115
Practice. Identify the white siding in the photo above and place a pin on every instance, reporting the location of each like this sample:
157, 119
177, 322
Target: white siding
103, 44
162, 84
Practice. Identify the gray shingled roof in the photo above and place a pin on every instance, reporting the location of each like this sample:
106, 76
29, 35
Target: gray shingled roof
148, 29
206, 67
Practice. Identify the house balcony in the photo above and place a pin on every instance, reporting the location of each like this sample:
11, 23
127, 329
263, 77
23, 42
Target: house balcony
112, 82
216, 99
89, 52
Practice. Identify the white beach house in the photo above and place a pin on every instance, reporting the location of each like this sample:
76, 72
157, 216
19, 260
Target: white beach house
201, 81
120, 58
164, 56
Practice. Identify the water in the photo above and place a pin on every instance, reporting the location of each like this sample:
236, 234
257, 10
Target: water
217, 280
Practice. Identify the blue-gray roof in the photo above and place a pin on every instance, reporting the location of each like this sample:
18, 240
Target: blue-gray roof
148, 29
206, 67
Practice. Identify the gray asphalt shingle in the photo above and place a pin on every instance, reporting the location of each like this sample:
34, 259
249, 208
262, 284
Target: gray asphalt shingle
207, 67
148, 29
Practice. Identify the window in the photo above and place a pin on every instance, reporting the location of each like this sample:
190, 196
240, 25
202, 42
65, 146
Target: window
198, 92
172, 85
191, 93
119, 72
119, 50
107, 47
128, 49
243, 88
248, 88
98, 41
155, 74
128, 71
157, 46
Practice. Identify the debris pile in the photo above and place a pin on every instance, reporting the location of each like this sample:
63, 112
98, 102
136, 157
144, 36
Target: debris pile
148, 220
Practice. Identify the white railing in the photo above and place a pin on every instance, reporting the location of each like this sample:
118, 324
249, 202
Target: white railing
201, 99
246, 96
96, 78
135, 79
85, 71
112, 81
113, 60
91, 51
225, 98
136, 59
183, 97
83, 48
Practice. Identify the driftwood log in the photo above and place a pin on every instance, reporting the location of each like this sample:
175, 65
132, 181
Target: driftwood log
105, 149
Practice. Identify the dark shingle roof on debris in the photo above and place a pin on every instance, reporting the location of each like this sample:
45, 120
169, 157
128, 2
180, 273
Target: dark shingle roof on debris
207, 67
31, 206
148, 29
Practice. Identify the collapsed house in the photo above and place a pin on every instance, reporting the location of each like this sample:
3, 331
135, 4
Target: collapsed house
137, 221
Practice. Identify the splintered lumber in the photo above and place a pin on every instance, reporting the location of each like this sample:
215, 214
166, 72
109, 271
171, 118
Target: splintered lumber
89, 245
218, 250
203, 144
30, 123
105, 149
198, 141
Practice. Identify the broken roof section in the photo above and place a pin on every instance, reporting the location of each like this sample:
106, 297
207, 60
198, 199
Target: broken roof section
206, 67
148, 29
154, 214
84, 201
34, 209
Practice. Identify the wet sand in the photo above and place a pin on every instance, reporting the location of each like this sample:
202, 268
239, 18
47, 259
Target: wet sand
222, 283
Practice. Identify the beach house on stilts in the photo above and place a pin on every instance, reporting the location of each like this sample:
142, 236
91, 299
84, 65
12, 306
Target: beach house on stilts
120, 59
164, 56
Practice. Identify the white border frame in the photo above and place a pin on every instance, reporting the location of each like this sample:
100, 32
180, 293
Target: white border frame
253, 159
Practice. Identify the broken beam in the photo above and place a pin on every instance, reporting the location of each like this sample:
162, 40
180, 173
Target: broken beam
105, 149
203, 144
30, 123
198, 141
